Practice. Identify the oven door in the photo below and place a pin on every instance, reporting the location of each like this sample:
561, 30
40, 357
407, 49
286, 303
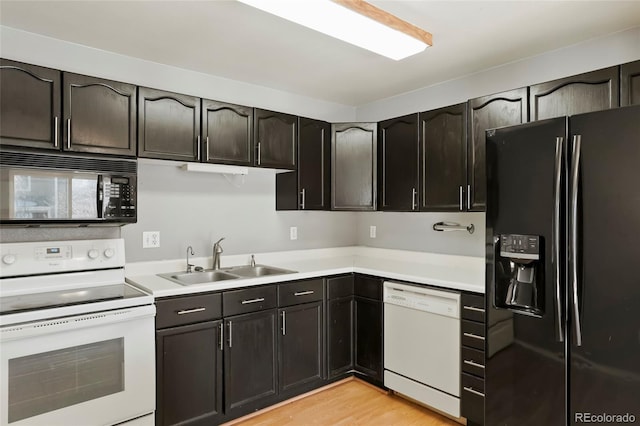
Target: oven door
92, 369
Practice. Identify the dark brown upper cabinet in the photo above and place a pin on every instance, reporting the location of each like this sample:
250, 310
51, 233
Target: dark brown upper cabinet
443, 151
309, 187
398, 164
592, 91
169, 125
630, 83
488, 112
276, 137
227, 133
353, 166
29, 105
99, 115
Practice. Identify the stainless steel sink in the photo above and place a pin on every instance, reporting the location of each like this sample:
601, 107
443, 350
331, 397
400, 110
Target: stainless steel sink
248, 271
184, 278
232, 273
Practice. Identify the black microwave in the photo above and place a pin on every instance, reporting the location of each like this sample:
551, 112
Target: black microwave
58, 189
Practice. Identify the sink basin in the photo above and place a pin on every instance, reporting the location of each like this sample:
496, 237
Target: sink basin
248, 271
184, 278
233, 273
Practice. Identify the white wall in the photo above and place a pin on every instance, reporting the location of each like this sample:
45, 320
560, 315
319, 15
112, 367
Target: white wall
590, 55
414, 231
198, 208
46, 51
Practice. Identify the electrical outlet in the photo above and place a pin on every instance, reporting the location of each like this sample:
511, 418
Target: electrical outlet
151, 239
293, 233
372, 231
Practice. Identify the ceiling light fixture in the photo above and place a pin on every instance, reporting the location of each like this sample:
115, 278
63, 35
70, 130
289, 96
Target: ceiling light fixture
354, 21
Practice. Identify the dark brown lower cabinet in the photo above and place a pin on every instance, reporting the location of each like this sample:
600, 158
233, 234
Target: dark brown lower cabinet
339, 336
300, 345
250, 360
189, 374
368, 338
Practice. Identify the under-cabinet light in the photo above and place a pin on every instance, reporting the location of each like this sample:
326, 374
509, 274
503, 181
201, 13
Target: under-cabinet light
215, 168
354, 21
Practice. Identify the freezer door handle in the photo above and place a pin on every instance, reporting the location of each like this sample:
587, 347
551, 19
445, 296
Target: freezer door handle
555, 253
573, 239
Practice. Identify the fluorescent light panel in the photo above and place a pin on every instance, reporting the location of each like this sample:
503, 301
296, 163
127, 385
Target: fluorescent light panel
344, 24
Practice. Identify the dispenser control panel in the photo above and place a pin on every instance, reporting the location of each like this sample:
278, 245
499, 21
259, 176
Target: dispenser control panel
520, 246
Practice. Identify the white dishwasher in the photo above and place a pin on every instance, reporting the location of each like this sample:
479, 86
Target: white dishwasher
422, 345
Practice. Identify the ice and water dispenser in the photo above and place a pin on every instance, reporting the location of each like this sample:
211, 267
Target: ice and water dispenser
520, 274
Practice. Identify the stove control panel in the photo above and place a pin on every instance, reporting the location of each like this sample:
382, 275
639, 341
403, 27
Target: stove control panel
20, 259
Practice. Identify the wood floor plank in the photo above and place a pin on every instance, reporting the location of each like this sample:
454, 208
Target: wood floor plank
350, 403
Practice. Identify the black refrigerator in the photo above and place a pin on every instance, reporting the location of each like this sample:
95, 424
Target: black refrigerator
563, 271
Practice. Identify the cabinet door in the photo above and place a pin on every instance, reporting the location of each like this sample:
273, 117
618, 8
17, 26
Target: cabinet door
443, 146
300, 345
353, 160
314, 173
29, 105
308, 188
488, 112
227, 133
592, 91
630, 83
368, 337
189, 374
398, 157
250, 359
276, 138
169, 125
100, 115
339, 336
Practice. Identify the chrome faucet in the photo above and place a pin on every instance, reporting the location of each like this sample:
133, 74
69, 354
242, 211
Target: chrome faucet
217, 249
189, 265
253, 261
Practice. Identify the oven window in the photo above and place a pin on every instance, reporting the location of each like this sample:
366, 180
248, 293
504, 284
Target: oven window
52, 380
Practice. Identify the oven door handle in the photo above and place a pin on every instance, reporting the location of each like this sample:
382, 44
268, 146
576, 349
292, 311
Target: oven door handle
57, 325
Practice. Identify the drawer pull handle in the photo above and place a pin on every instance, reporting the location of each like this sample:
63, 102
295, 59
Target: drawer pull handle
259, 299
303, 293
473, 391
472, 363
191, 311
473, 308
473, 336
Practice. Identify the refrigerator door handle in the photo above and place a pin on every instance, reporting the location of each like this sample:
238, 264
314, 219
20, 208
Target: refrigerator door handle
555, 254
573, 239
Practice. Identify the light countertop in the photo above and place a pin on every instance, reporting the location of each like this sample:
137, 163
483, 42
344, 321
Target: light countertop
446, 271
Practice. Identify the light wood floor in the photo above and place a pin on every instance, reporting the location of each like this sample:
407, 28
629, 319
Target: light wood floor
350, 403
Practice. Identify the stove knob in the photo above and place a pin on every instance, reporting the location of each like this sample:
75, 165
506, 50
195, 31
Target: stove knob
93, 254
8, 259
109, 253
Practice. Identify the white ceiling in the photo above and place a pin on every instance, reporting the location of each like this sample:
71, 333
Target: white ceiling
232, 40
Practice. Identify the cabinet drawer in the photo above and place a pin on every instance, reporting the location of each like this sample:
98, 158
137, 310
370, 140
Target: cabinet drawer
368, 287
472, 399
473, 307
340, 287
300, 292
473, 361
188, 310
249, 300
473, 334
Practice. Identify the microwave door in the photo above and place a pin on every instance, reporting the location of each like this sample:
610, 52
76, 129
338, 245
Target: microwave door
45, 195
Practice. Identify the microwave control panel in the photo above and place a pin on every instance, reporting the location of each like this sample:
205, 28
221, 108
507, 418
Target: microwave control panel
120, 196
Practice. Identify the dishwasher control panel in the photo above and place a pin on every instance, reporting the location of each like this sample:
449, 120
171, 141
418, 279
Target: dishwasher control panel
422, 299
